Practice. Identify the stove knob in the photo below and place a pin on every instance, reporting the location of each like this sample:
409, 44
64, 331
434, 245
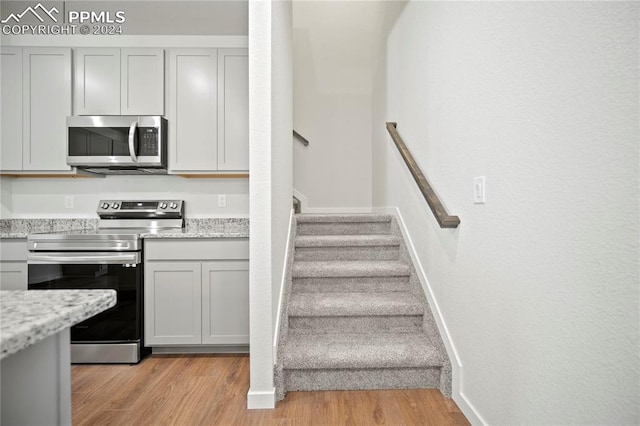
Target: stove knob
115, 205
163, 206
173, 205
105, 205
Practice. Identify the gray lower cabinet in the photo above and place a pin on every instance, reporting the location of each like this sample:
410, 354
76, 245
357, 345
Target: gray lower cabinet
13, 264
173, 300
196, 292
225, 302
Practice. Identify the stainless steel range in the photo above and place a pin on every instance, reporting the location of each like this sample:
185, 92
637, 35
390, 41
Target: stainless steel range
109, 257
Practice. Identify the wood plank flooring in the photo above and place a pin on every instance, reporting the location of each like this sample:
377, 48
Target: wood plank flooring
212, 389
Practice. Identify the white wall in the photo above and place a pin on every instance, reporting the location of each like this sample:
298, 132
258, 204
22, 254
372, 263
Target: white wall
539, 286
45, 197
333, 50
270, 182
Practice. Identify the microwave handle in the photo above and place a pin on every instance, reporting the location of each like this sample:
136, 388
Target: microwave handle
132, 135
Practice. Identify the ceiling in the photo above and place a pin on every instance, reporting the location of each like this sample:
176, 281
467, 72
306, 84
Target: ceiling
335, 42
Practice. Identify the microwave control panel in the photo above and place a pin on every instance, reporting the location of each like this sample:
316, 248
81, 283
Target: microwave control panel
148, 146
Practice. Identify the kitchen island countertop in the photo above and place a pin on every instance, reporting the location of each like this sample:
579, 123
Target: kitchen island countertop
27, 317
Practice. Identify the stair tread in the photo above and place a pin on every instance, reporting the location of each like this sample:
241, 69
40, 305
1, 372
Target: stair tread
354, 304
342, 218
355, 240
352, 268
360, 351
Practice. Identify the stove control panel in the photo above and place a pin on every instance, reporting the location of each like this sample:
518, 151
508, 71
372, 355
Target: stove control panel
123, 209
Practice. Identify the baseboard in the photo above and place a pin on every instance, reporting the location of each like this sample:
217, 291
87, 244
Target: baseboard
283, 283
456, 365
304, 203
200, 349
467, 409
304, 207
261, 400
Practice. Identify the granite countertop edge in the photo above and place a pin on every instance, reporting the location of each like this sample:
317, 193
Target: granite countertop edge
150, 236
30, 316
194, 228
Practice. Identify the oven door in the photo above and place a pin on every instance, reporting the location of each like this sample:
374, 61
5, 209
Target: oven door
95, 270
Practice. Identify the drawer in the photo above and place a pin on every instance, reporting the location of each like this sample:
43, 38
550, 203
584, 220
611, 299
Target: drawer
197, 249
13, 250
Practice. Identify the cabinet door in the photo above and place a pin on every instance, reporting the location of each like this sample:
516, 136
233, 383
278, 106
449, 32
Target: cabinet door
142, 73
172, 303
233, 109
97, 81
47, 103
225, 302
13, 276
11, 108
193, 110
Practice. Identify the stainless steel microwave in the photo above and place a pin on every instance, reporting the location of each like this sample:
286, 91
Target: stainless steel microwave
117, 144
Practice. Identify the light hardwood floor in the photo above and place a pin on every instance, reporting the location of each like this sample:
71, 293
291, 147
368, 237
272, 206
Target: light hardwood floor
212, 389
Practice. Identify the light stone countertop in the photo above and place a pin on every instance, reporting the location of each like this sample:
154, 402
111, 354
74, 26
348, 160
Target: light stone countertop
206, 228
194, 228
27, 317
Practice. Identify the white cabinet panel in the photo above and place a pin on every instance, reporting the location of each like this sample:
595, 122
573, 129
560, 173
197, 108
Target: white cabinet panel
233, 109
11, 108
225, 307
193, 110
173, 303
47, 103
201, 301
97, 81
142, 73
113, 81
13, 276
196, 248
13, 264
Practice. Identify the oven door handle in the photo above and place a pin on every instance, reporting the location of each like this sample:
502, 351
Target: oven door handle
84, 258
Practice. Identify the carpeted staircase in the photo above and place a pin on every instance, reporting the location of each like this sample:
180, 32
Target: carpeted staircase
354, 314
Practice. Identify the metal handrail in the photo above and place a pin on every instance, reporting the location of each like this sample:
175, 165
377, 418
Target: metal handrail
301, 138
444, 219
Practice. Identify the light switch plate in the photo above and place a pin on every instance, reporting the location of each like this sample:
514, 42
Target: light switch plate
479, 190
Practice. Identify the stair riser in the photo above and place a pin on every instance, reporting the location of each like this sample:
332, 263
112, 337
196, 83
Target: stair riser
336, 228
388, 378
347, 253
360, 324
349, 284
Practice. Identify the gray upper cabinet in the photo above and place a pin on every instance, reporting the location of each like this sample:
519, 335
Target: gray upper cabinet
36, 99
97, 82
142, 82
233, 109
193, 108
47, 103
11, 88
208, 110
114, 81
